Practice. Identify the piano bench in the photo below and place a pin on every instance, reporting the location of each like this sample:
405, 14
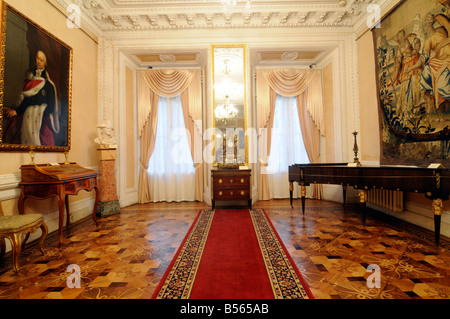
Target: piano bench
13, 227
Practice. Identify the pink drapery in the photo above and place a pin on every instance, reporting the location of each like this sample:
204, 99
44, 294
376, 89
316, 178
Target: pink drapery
168, 83
306, 86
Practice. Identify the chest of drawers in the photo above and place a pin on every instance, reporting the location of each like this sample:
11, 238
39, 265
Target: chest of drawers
231, 185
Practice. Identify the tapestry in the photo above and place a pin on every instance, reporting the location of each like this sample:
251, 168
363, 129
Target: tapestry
413, 81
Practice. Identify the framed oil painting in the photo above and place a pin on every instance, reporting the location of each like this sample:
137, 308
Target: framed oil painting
35, 86
412, 52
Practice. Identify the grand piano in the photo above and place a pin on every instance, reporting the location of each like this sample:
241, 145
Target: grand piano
433, 182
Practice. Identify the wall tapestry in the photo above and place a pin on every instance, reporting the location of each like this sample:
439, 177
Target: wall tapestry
413, 81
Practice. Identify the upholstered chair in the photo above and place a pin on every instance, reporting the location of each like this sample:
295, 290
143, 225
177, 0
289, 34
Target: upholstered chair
14, 227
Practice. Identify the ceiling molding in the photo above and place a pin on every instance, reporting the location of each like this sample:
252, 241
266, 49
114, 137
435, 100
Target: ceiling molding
111, 17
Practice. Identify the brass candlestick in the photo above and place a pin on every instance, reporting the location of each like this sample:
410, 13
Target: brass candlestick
32, 154
66, 154
355, 150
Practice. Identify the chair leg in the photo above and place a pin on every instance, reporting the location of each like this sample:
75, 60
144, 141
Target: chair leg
2, 247
16, 244
44, 229
24, 242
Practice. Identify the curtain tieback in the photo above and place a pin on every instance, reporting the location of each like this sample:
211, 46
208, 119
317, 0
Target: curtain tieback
145, 167
261, 163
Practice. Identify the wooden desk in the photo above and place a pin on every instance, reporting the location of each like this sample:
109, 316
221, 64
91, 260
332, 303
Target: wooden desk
231, 184
434, 183
45, 180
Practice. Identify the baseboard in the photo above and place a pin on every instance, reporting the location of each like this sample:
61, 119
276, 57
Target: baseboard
9, 186
417, 215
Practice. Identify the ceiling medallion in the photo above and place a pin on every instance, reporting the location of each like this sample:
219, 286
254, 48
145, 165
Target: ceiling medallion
167, 57
289, 56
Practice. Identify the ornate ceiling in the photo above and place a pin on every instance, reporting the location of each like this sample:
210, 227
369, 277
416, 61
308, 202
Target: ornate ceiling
108, 17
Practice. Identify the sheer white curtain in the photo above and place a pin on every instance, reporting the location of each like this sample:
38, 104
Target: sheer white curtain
171, 168
287, 146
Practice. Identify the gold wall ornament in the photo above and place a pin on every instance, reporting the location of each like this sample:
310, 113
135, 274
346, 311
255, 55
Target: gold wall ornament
437, 206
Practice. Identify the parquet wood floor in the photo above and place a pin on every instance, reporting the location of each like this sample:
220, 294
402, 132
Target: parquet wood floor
127, 255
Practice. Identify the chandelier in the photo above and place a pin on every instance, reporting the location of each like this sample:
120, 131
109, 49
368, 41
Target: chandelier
232, 3
225, 111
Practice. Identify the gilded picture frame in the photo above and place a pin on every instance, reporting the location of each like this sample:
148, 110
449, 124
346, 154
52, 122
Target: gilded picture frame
412, 53
35, 86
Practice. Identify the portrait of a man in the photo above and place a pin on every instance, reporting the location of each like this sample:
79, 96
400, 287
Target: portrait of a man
36, 103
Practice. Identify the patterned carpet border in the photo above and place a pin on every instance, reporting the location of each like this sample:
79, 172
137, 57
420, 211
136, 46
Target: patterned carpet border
178, 283
285, 279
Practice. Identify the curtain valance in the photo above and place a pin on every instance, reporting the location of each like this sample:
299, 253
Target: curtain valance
293, 82
168, 83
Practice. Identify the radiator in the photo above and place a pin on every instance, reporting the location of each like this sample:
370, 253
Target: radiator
392, 200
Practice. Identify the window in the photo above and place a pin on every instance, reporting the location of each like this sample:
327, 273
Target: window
287, 146
171, 168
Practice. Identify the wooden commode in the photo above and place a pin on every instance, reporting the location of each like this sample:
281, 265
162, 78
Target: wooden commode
231, 185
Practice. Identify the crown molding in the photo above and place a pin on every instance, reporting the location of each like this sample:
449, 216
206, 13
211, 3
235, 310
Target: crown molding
111, 17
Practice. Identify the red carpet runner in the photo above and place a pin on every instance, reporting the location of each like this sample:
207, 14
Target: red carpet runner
232, 254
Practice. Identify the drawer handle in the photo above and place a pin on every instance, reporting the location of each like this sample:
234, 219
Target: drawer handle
231, 193
242, 192
231, 181
220, 193
242, 181
220, 181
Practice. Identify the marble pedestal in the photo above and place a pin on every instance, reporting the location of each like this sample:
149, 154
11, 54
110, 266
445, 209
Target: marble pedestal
108, 203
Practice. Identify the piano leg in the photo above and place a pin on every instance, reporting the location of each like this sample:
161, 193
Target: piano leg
303, 193
363, 199
437, 211
344, 195
291, 189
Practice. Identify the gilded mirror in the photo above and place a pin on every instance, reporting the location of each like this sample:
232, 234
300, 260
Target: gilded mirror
229, 103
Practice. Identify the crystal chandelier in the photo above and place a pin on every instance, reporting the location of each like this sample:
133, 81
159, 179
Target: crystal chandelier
225, 111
